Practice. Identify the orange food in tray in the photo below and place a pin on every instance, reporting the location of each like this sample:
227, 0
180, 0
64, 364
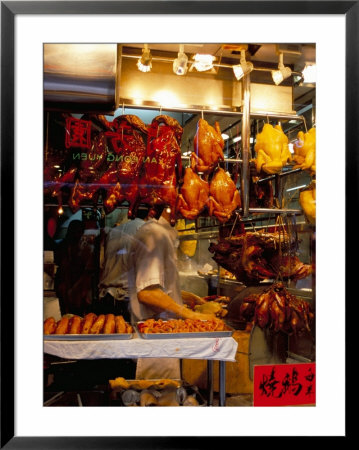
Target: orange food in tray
181, 326
90, 324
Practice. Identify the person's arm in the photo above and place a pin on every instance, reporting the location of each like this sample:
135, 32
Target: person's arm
154, 297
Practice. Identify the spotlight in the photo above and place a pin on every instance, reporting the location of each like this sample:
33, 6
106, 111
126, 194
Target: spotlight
144, 63
282, 73
243, 68
203, 63
180, 64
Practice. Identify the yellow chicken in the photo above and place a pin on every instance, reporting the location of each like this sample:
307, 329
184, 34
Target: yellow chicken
307, 200
272, 149
304, 151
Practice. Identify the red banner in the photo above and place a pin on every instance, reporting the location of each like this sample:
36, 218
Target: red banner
284, 385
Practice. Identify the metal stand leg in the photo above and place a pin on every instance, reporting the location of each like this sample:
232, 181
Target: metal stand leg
210, 381
222, 383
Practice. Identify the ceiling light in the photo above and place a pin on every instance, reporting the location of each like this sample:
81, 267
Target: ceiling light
180, 64
309, 73
282, 73
244, 68
237, 138
203, 62
225, 136
144, 63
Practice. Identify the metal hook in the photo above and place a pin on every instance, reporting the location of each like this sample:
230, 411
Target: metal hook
235, 220
202, 113
305, 124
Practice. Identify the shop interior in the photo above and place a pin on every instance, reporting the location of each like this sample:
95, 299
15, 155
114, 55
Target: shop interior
241, 89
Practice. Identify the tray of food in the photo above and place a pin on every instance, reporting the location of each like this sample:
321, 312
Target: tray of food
88, 328
163, 392
182, 328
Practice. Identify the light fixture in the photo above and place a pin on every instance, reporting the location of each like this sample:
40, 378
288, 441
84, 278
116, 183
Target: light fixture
202, 62
144, 63
180, 64
225, 136
282, 73
243, 68
309, 73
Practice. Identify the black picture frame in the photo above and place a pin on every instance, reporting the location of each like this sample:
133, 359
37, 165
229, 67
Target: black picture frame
9, 9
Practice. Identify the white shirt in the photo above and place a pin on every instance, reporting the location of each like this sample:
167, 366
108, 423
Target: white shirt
154, 262
113, 278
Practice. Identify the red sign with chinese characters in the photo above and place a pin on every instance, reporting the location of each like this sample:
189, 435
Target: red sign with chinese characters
78, 133
284, 385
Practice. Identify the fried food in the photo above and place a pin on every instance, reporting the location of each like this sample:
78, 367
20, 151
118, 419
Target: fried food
181, 326
109, 327
89, 319
75, 327
120, 324
49, 325
98, 325
62, 325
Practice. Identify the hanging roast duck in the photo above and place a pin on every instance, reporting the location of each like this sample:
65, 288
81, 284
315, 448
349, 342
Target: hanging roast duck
162, 166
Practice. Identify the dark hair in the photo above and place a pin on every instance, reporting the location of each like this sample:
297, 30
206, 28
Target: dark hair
142, 213
75, 227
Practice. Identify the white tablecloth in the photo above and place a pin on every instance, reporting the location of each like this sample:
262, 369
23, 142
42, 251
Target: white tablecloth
223, 349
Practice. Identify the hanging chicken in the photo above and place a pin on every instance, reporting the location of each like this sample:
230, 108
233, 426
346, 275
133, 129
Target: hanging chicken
208, 147
307, 200
304, 151
224, 197
121, 179
193, 196
163, 165
272, 149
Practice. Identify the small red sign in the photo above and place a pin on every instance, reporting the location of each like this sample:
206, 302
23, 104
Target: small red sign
78, 133
284, 385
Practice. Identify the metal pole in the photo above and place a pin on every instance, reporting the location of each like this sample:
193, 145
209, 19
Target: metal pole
222, 383
210, 381
245, 145
128, 103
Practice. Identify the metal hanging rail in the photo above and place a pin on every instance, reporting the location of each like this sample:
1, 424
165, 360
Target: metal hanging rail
127, 103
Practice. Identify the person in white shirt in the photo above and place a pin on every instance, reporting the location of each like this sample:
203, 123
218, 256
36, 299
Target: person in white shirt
113, 284
154, 287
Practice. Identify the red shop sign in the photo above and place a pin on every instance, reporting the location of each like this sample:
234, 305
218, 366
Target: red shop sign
284, 384
78, 133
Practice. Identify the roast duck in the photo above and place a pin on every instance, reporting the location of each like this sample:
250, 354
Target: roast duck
83, 172
208, 147
193, 196
277, 309
121, 179
272, 151
224, 197
163, 165
256, 256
